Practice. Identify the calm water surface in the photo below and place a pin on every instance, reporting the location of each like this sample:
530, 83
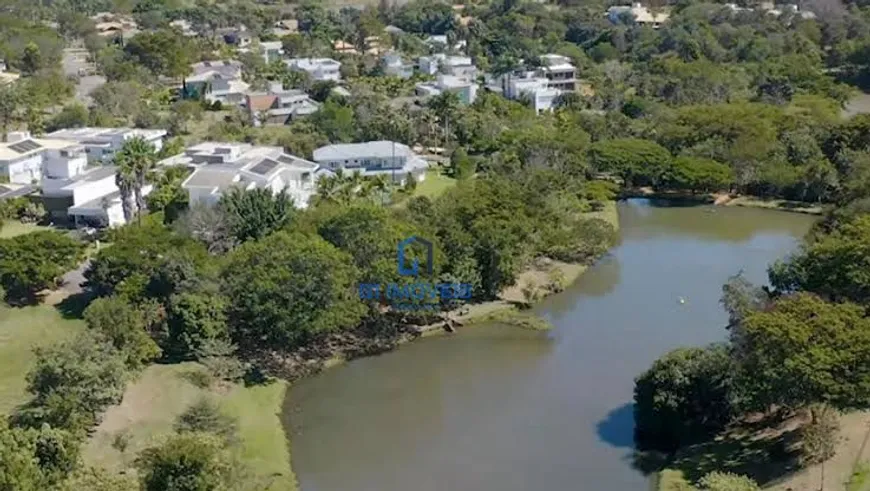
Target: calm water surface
501, 409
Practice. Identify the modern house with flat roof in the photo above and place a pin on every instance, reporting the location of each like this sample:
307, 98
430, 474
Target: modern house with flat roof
26, 160
219, 167
394, 160
527, 86
100, 144
460, 66
559, 70
395, 66
89, 199
319, 69
464, 87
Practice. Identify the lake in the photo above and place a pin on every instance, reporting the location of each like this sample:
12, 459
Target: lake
496, 408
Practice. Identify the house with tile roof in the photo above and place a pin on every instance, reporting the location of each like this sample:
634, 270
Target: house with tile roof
278, 106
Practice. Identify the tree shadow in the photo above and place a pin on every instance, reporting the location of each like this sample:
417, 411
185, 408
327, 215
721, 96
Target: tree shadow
73, 306
617, 428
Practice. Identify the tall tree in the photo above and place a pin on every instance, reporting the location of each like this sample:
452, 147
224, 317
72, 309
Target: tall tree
135, 160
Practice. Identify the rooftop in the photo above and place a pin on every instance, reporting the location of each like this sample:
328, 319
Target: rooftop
367, 149
95, 136
312, 63
31, 146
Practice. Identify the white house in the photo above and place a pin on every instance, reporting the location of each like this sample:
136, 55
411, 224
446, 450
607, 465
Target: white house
559, 70
100, 144
638, 13
528, 85
218, 81
269, 50
394, 65
25, 160
460, 66
463, 87
320, 69
223, 166
90, 199
391, 159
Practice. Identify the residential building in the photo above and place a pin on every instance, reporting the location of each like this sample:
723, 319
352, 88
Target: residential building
279, 106
528, 86
239, 37
108, 24
441, 42
638, 13
460, 66
463, 87
394, 160
559, 71
320, 69
395, 66
89, 199
218, 81
26, 160
219, 167
100, 144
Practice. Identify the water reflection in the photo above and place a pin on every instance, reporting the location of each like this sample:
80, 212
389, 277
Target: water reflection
501, 409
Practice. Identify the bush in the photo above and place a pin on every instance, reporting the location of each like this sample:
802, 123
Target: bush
205, 416
187, 462
819, 437
726, 481
32, 213
683, 398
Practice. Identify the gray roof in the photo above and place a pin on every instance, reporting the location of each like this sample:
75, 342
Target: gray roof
362, 150
211, 178
96, 173
7, 192
98, 203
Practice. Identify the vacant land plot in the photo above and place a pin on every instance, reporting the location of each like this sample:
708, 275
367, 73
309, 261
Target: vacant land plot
21, 330
153, 402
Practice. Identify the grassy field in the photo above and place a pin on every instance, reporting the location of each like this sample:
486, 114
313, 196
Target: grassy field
21, 330
13, 228
435, 184
152, 404
762, 455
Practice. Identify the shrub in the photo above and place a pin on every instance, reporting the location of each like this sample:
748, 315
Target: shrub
683, 398
205, 416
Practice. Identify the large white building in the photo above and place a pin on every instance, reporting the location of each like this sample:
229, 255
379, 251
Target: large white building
464, 87
100, 144
320, 69
559, 70
219, 167
89, 199
394, 160
26, 160
460, 66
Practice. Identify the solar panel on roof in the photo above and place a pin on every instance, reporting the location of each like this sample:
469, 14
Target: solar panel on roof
25, 146
264, 167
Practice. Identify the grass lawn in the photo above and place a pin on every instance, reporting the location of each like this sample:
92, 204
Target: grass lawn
435, 184
21, 330
153, 402
12, 228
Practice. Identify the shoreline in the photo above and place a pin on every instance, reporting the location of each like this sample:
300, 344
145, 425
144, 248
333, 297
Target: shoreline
476, 314
725, 199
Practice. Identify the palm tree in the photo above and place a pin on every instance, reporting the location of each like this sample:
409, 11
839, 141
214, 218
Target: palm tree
135, 160
124, 179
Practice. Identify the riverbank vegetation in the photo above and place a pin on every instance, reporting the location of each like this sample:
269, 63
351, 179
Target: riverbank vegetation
768, 402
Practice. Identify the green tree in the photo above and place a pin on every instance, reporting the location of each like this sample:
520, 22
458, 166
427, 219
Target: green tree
637, 162
805, 350
11, 104
285, 289
256, 213
125, 326
33, 262
135, 160
726, 481
684, 397
206, 416
31, 60
162, 52
73, 382
35, 459
187, 462
697, 174
193, 319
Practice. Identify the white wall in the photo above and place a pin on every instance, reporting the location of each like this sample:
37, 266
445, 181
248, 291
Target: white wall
57, 167
91, 190
24, 171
